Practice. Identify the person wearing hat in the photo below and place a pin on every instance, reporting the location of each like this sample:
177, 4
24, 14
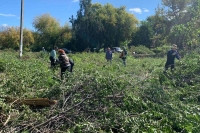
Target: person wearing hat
123, 55
171, 55
63, 59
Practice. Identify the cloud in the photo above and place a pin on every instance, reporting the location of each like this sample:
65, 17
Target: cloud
145, 10
7, 15
138, 10
75, 1
4, 25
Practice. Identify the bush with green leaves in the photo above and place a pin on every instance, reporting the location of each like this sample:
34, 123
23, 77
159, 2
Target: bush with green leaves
162, 50
141, 50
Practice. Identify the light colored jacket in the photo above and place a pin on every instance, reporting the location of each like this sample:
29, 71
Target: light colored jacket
53, 54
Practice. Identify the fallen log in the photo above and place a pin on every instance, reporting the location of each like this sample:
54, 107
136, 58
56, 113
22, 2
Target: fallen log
44, 102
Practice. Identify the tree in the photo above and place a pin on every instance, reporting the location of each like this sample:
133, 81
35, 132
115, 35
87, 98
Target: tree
28, 39
160, 27
176, 10
98, 26
64, 37
187, 34
47, 31
9, 38
143, 35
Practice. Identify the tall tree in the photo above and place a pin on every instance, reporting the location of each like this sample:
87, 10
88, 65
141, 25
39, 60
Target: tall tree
143, 35
47, 29
98, 26
176, 9
187, 34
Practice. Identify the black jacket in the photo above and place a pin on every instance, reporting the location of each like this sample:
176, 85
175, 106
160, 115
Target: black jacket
171, 55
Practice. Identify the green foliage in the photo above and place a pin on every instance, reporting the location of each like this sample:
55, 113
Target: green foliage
176, 9
9, 38
2, 66
49, 33
102, 97
141, 50
176, 22
143, 35
98, 26
162, 50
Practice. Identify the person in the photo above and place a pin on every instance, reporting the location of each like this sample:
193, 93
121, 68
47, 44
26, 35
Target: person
53, 56
171, 55
109, 55
123, 55
72, 64
63, 60
43, 49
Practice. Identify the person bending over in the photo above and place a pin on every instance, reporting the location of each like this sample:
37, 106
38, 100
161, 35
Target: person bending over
63, 60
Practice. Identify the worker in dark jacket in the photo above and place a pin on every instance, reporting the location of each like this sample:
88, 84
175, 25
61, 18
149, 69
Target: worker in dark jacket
109, 55
171, 55
63, 60
123, 55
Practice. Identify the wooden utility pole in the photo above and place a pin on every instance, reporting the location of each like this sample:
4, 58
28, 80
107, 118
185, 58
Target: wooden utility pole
21, 28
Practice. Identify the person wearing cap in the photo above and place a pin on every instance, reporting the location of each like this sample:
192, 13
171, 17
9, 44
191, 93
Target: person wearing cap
171, 55
63, 59
53, 56
109, 55
123, 56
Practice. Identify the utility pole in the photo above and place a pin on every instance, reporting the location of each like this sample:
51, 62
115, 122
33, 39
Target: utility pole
21, 28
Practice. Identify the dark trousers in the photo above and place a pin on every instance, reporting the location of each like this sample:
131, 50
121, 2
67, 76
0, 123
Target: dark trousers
63, 70
72, 64
71, 67
124, 61
53, 61
171, 65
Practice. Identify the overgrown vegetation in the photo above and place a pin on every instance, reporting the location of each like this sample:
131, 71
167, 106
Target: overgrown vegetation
101, 97
141, 50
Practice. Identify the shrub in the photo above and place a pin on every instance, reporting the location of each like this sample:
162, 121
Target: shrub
141, 50
162, 50
2, 66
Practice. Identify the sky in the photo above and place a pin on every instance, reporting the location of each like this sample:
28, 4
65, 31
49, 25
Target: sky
62, 10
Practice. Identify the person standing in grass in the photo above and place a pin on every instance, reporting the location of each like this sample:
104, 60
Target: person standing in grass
171, 55
123, 56
109, 55
64, 62
53, 57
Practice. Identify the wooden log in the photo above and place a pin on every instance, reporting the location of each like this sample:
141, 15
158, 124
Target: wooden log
44, 102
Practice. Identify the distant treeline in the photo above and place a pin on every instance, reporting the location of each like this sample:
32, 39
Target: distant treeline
100, 26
